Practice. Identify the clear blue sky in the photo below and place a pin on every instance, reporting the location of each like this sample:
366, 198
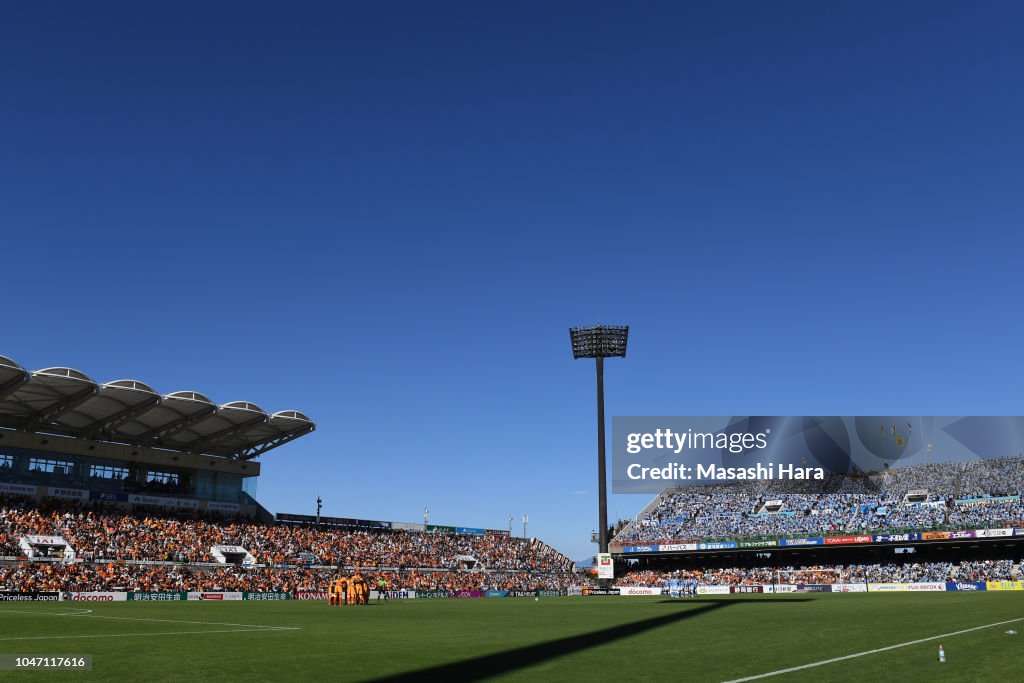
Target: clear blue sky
388, 214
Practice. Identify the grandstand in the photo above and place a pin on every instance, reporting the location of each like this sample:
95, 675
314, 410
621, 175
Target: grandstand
114, 487
945, 517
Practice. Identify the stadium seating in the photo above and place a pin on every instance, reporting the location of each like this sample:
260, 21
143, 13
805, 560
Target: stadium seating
911, 572
105, 538
957, 497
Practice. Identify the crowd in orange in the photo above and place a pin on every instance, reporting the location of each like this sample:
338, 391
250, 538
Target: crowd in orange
98, 532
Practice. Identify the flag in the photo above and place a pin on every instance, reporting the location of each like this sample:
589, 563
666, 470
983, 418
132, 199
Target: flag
900, 441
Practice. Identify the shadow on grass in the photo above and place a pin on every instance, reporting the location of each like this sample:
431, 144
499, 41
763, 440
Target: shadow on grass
503, 662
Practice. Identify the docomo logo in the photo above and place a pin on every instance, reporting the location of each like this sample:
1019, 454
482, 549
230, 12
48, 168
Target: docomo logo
666, 439
638, 590
97, 597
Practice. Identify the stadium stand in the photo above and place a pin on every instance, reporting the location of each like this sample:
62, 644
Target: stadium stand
923, 497
910, 572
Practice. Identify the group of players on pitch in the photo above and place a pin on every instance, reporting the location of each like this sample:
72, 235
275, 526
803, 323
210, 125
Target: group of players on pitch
354, 590
686, 588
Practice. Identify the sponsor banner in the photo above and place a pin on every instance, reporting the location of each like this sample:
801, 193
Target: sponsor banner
600, 591
1004, 586
801, 541
638, 590
746, 588
640, 549
605, 566
780, 588
522, 594
154, 596
467, 594
966, 586
758, 544
20, 489
1018, 532
398, 595
469, 530
887, 587
445, 529
954, 535
45, 540
311, 595
108, 497
213, 595
846, 540
408, 526
550, 593
575, 590
934, 535
993, 533
814, 588
223, 507
96, 597
712, 590
497, 532
926, 586
163, 502
267, 595
34, 596
895, 538
716, 545
496, 594
75, 494
677, 547
433, 594
849, 588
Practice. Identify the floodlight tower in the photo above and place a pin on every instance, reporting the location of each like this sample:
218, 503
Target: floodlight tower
600, 342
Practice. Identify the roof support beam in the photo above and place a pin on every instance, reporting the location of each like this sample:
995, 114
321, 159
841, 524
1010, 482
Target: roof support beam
256, 451
226, 433
181, 424
65, 405
12, 385
110, 424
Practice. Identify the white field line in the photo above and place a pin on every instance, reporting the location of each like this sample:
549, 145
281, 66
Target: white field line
146, 635
88, 613
871, 652
76, 613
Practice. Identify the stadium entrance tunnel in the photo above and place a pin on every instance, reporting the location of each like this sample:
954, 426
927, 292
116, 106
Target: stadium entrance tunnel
487, 666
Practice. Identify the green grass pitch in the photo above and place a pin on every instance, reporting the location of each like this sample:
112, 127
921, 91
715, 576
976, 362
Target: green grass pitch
703, 639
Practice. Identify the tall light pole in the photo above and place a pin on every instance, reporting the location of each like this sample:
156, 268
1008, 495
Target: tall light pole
510, 525
600, 342
526, 520
319, 507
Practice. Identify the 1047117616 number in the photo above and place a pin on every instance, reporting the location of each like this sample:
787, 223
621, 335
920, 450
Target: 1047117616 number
50, 662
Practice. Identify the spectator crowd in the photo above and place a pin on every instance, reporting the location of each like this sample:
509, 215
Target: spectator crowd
950, 495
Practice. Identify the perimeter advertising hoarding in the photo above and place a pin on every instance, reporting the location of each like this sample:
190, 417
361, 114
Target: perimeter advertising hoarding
1004, 586
96, 596
652, 453
639, 590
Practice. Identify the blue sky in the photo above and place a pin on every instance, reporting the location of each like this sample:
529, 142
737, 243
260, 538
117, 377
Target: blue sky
387, 215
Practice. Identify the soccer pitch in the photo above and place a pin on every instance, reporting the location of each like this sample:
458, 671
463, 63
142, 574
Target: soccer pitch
709, 638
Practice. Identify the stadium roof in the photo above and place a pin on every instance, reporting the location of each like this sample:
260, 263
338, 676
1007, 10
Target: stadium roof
67, 402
